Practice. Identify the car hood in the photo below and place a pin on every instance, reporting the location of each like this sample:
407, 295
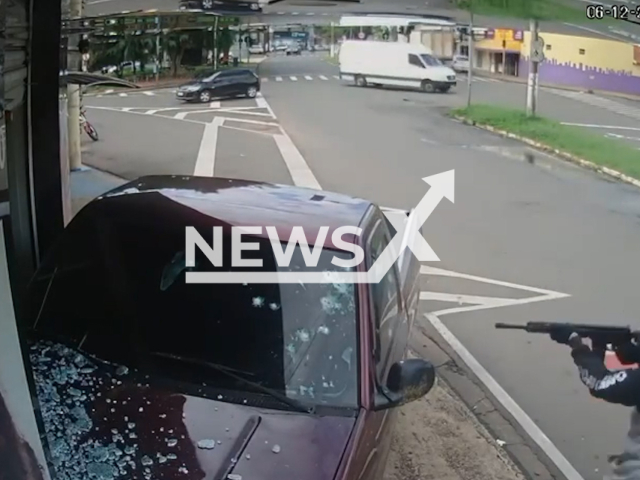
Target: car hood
440, 73
192, 83
111, 424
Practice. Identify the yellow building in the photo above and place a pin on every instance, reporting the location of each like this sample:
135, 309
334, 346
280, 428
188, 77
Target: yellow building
583, 62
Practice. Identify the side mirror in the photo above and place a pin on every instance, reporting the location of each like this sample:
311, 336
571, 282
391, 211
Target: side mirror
409, 380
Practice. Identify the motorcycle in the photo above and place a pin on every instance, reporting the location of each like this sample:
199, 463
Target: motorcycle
88, 128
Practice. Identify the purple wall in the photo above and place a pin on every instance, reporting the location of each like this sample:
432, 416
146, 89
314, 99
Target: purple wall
580, 75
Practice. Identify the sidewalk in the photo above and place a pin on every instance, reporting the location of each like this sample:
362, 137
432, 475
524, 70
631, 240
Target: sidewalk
89, 183
509, 78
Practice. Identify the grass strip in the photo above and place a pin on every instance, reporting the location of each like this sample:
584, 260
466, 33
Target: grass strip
580, 142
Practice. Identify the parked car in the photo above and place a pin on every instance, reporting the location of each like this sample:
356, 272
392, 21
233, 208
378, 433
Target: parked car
159, 378
460, 63
294, 49
394, 64
232, 82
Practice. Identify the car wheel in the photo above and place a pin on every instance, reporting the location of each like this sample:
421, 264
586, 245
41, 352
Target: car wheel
361, 81
252, 92
428, 86
205, 96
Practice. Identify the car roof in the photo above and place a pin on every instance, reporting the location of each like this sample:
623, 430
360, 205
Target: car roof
235, 202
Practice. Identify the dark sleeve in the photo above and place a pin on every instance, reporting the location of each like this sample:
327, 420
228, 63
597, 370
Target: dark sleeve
622, 386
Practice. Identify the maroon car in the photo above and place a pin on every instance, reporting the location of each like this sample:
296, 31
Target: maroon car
140, 375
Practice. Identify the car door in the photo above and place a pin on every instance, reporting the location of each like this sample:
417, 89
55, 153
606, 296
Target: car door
219, 84
387, 318
415, 67
235, 84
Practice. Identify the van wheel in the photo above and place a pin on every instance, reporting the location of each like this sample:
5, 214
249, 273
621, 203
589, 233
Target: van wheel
361, 81
444, 89
428, 87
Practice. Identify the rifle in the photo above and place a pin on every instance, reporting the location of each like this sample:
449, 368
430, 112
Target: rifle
603, 337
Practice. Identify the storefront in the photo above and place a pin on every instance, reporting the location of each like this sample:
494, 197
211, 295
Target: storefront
499, 52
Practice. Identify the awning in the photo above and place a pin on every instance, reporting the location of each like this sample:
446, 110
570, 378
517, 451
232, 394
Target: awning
93, 79
391, 21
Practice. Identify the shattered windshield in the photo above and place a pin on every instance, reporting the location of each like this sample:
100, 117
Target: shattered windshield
298, 339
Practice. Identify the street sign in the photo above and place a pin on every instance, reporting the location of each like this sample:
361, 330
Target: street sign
537, 50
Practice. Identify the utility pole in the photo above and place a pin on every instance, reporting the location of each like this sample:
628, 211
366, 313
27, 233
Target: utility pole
73, 93
471, 59
536, 55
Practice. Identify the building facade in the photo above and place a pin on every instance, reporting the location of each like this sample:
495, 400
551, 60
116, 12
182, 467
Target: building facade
582, 62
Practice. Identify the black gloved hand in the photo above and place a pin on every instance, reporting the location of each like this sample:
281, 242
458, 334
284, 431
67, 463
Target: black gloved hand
562, 334
628, 353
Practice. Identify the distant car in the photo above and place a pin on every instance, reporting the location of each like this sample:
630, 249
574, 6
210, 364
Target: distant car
207, 85
256, 49
218, 381
460, 63
294, 49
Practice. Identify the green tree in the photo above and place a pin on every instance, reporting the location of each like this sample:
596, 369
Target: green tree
174, 43
225, 41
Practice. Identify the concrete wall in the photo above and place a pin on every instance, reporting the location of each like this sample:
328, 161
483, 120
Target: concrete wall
588, 63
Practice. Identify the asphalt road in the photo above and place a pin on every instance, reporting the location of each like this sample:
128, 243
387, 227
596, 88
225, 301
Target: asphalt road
546, 225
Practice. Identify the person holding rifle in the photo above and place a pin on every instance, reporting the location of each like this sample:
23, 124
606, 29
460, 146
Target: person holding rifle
620, 387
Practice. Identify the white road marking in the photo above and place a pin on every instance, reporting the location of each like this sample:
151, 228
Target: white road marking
214, 105
536, 434
151, 112
336, 77
262, 103
278, 79
247, 130
182, 115
308, 77
605, 127
122, 95
205, 163
299, 170
624, 137
322, 77
294, 79
166, 117
126, 109
482, 303
265, 79
149, 94
586, 29
529, 426
108, 91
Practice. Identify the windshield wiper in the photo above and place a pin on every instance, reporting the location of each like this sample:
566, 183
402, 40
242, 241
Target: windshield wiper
298, 406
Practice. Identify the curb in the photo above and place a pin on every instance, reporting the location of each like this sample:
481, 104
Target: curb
610, 172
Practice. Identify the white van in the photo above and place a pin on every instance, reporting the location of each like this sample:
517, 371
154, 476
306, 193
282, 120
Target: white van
394, 64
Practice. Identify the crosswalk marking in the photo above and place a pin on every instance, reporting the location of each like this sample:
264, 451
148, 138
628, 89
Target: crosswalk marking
294, 79
336, 77
307, 77
122, 94
149, 94
265, 79
322, 77
278, 79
